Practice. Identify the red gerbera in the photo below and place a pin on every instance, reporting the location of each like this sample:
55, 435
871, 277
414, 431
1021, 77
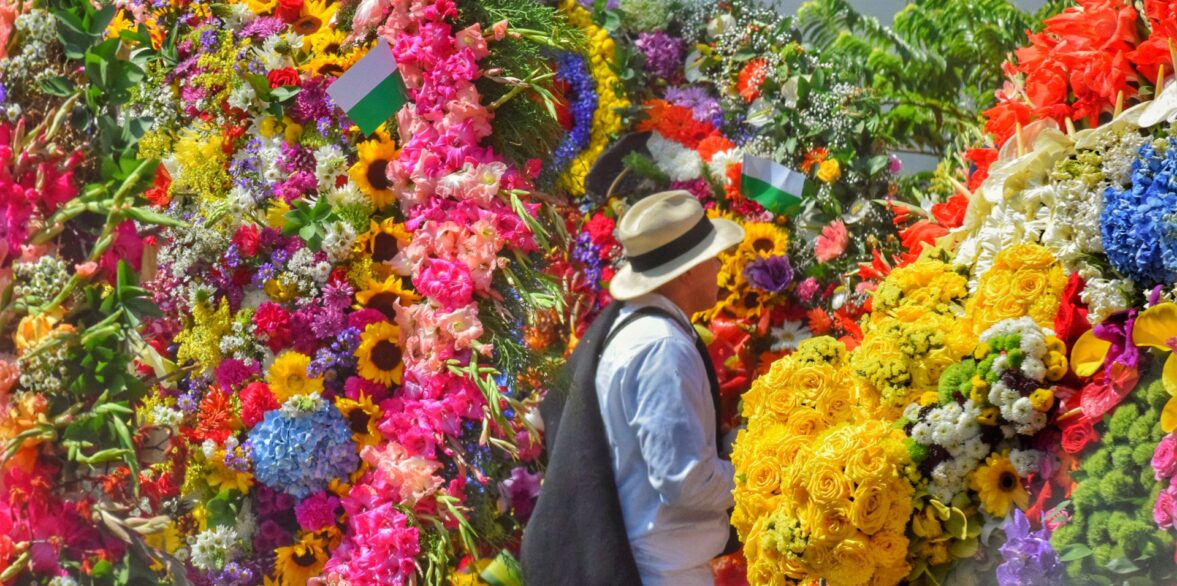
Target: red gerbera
214, 420
751, 78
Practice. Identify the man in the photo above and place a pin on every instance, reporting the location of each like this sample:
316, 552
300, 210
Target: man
647, 419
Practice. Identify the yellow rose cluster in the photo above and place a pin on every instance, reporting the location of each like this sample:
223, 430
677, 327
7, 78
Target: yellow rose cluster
1025, 280
611, 98
906, 341
822, 489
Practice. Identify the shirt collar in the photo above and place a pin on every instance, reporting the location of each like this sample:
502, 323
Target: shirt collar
663, 303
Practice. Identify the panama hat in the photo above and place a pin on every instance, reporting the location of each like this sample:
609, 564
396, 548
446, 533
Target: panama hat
663, 236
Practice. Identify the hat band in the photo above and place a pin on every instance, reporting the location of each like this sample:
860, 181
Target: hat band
673, 249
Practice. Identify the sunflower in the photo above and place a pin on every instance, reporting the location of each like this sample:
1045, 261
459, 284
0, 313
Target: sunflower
261, 7
362, 416
315, 14
288, 376
383, 295
297, 564
379, 355
384, 240
762, 240
370, 172
999, 485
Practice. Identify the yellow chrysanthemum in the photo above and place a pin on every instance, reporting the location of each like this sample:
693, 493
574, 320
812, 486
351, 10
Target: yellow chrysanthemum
222, 477
383, 296
288, 376
362, 417
297, 564
369, 172
999, 486
379, 357
315, 14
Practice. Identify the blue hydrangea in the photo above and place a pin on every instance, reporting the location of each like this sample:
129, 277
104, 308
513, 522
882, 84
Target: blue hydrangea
1139, 223
301, 447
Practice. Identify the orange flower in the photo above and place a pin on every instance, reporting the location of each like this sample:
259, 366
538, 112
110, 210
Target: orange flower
814, 158
819, 321
751, 78
676, 123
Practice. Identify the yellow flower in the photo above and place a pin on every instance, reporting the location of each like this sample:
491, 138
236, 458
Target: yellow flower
276, 214
261, 7
295, 565
926, 523
871, 508
363, 417
315, 13
384, 295
292, 131
829, 522
829, 171
762, 240
379, 356
288, 376
999, 486
383, 240
1042, 400
118, 24
222, 477
201, 341
35, 328
826, 483
854, 562
988, 416
1157, 327
370, 172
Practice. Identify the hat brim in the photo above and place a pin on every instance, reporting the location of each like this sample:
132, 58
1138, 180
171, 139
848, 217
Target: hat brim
628, 283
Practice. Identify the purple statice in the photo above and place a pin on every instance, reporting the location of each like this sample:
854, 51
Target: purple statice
262, 27
311, 103
3, 94
238, 461
703, 107
208, 39
588, 254
772, 274
234, 574
664, 54
582, 94
1029, 557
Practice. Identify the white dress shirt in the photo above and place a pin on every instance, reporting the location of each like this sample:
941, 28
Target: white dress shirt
660, 421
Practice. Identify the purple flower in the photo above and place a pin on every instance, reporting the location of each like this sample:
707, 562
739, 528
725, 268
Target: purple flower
1029, 557
698, 188
807, 289
262, 27
703, 106
664, 54
582, 94
520, 491
772, 274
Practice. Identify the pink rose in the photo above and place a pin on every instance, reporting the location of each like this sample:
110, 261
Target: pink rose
1163, 511
832, 242
1164, 460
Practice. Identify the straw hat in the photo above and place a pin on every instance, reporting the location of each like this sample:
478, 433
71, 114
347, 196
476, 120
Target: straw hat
664, 235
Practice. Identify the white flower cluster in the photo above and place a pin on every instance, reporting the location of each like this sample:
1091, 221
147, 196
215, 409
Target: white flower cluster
305, 272
166, 416
678, 162
1013, 406
242, 343
300, 405
953, 427
1106, 296
1025, 461
211, 549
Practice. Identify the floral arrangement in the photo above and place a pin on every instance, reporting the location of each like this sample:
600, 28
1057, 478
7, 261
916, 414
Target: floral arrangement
823, 488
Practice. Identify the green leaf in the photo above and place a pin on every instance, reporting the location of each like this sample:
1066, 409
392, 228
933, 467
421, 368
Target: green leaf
1074, 551
149, 217
57, 86
102, 569
284, 93
1122, 565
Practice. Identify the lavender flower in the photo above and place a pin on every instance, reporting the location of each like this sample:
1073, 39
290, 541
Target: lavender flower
772, 274
1029, 557
703, 106
664, 54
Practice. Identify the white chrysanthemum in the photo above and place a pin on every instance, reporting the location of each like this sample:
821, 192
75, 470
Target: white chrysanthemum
1025, 461
678, 162
1034, 369
166, 416
242, 97
722, 160
911, 412
210, 549
788, 336
338, 241
922, 433
1105, 297
330, 163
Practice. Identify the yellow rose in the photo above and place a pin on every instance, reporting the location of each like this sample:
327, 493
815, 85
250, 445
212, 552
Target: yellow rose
871, 508
994, 284
1029, 284
763, 476
889, 547
829, 171
829, 522
32, 329
867, 462
810, 382
1024, 256
853, 562
805, 422
819, 557
826, 483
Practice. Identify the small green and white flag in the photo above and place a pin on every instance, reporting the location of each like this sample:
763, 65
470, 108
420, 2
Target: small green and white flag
372, 90
776, 187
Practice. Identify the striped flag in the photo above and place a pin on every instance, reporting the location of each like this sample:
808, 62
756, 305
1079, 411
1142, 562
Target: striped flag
372, 90
776, 187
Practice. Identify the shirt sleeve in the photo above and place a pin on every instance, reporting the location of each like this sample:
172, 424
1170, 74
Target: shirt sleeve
669, 407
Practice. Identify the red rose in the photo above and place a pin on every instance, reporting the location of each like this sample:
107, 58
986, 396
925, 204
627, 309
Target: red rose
247, 240
289, 10
282, 77
1077, 433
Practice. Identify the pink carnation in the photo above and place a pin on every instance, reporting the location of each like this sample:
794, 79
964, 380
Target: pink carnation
396, 473
832, 242
1164, 512
316, 511
1164, 460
